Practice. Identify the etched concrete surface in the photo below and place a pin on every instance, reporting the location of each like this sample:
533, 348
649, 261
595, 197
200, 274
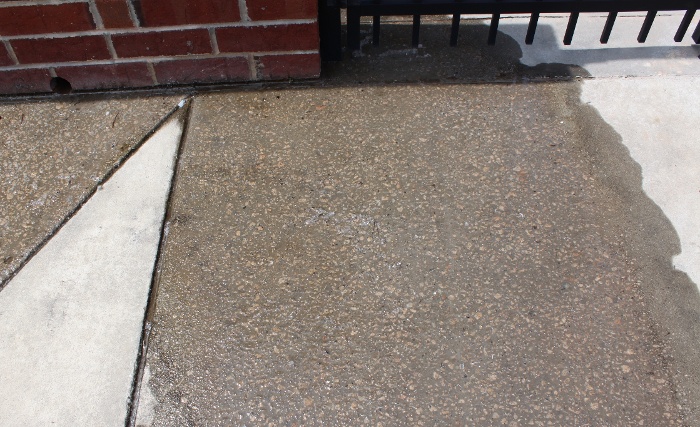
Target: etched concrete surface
52, 155
422, 255
70, 320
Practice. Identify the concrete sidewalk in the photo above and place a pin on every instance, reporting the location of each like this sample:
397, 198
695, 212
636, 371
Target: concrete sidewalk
427, 236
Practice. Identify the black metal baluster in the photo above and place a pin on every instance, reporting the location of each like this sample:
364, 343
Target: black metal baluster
493, 30
353, 29
330, 30
415, 39
608, 27
375, 30
696, 34
570, 28
455, 30
646, 26
532, 27
685, 23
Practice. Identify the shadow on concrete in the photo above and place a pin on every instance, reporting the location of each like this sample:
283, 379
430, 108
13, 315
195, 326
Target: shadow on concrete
472, 60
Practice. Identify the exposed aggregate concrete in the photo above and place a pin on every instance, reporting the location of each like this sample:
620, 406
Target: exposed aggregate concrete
53, 154
401, 255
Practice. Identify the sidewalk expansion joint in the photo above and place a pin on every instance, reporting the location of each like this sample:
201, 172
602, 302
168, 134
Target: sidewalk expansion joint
140, 363
115, 167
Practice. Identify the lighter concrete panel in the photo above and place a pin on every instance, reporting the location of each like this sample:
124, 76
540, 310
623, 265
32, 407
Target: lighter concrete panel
656, 120
70, 321
622, 56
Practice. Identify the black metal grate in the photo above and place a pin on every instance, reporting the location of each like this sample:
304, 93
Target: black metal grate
330, 24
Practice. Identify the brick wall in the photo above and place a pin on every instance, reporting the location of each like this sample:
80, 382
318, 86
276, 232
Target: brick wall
106, 44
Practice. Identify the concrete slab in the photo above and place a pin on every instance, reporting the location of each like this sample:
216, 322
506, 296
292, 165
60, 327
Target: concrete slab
427, 254
52, 156
71, 319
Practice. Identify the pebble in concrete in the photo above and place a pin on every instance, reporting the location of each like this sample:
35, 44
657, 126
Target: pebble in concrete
70, 321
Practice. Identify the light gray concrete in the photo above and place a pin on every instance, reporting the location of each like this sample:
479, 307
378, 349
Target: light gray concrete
70, 321
622, 56
658, 125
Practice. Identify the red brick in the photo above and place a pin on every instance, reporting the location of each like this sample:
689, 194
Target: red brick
65, 49
4, 56
202, 70
110, 76
114, 13
162, 43
282, 67
24, 81
268, 38
42, 19
259, 10
179, 12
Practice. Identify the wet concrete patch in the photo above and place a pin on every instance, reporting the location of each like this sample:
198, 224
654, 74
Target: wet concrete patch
434, 255
53, 154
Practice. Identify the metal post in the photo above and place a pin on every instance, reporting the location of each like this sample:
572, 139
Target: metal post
329, 29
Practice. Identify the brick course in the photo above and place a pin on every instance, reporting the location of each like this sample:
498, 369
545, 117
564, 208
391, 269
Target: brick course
43, 19
109, 76
179, 12
5, 56
271, 38
64, 49
114, 13
260, 10
282, 67
163, 43
111, 44
25, 81
213, 70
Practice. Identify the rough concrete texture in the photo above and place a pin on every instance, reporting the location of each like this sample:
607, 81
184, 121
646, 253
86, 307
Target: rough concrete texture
660, 135
418, 254
52, 156
71, 320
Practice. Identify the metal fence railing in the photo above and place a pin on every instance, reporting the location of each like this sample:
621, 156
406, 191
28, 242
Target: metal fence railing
330, 17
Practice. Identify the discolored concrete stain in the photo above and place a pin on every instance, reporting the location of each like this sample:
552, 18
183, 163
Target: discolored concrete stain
405, 255
52, 156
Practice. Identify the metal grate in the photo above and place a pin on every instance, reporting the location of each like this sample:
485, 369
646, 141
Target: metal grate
330, 24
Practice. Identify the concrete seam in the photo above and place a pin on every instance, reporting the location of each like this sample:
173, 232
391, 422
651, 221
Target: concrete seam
110, 46
10, 52
96, 17
243, 9
118, 164
163, 29
132, 13
147, 325
52, 72
214, 41
252, 67
154, 59
152, 72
